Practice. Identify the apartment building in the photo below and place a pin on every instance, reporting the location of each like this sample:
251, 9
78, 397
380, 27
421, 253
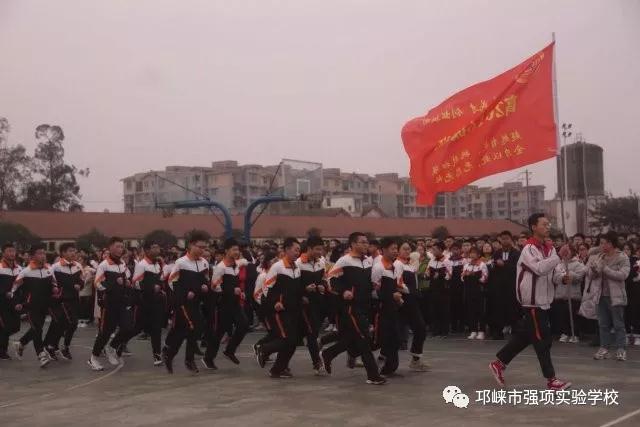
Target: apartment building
236, 186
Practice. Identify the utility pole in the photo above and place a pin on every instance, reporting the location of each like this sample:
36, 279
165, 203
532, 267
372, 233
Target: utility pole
526, 178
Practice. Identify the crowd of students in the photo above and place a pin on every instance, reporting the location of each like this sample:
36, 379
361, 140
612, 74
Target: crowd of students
357, 297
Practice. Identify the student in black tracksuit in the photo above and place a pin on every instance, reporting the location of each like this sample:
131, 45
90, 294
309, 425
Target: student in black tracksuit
152, 301
36, 287
282, 286
503, 303
456, 289
269, 258
312, 293
9, 316
115, 297
410, 311
440, 272
352, 281
228, 313
190, 282
70, 278
386, 280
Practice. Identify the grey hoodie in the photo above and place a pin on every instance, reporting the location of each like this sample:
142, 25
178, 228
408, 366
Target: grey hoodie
607, 271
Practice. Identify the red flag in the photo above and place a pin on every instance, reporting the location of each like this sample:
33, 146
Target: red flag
494, 126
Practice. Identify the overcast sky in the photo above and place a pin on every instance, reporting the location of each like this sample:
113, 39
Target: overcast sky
141, 84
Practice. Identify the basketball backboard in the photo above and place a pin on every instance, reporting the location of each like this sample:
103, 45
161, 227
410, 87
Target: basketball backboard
300, 178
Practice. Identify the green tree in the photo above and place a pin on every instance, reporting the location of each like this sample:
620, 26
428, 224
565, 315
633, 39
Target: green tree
163, 238
92, 240
617, 213
56, 187
440, 232
14, 168
17, 234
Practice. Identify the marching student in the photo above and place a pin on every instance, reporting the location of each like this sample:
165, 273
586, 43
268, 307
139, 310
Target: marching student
282, 285
474, 277
410, 309
69, 275
115, 299
190, 282
439, 272
228, 312
503, 304
535, 291
9, 306
269, 258
37, 287
147, 279
387, 280
351, 276
456, 291
312, 293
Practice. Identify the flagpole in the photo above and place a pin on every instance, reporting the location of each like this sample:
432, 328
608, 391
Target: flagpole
560, 157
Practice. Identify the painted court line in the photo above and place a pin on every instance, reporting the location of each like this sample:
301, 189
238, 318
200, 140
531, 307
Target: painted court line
622, 418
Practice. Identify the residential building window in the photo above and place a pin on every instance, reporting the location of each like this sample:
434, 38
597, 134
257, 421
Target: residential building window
500, 213
328, 202
129, 185
139, 186
477, 196
516, 204
514, 194
502, 204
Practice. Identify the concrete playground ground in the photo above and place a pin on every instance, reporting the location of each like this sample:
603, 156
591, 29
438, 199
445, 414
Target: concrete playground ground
139, 394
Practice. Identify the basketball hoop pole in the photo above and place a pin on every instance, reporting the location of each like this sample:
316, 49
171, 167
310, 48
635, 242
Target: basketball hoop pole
206, 203
261, 201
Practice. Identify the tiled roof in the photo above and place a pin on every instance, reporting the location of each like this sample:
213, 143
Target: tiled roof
61, 226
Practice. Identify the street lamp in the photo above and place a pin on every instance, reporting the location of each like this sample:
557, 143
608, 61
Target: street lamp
566, 133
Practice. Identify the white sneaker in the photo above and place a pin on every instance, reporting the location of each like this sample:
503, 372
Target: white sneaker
637, 341
564, 338
602, 353
329, 328
95, 364
320, 371
621, 355
472, 336
44, 359
480, 335
574, 340
82, 324
419, 365
112, 356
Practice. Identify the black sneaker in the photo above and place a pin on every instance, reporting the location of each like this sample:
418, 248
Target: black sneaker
157, 360
377, 381
65, 353
286, 373
4, 356
168, 360
282, 374
52, 353
208, 364
326, 362
261, 357
231, 357
191, 366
